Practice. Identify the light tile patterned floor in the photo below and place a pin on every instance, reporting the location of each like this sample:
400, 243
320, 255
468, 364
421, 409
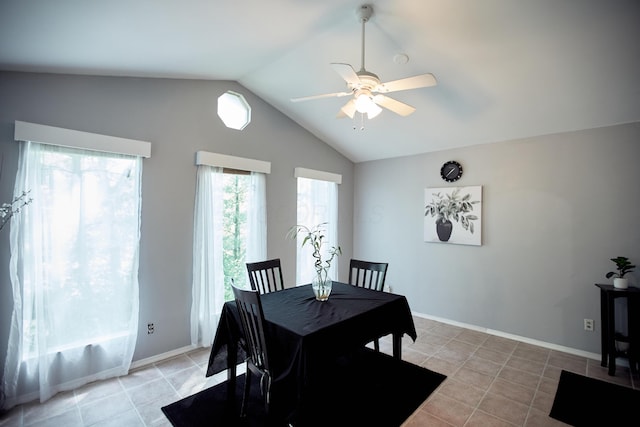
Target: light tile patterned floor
491, 381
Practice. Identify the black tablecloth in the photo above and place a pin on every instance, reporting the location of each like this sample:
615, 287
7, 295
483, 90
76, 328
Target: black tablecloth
305, 333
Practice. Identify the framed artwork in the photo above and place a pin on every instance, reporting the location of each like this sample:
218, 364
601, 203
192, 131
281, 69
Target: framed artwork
453, 215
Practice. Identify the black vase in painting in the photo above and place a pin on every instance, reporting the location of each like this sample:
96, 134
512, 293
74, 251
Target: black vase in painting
444, 227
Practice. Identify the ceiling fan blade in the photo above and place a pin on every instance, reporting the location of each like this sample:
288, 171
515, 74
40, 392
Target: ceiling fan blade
326, 95
391, 104
348, 110
415, 82
347, 73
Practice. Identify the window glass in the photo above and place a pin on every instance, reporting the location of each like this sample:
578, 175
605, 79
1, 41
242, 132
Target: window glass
234, 241
317, 203
234, 110
229, 230
80, 237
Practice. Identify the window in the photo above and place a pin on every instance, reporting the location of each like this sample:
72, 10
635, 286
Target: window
75, 253
317, 203
234, 224
83, 250
234, 110
229, 230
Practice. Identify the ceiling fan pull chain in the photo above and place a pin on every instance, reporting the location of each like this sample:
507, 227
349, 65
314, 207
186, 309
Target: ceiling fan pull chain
361, 121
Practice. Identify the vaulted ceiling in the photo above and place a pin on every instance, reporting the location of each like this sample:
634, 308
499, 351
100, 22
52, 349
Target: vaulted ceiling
505, 69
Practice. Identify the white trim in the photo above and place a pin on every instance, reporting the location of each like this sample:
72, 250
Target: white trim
162, 356
51, 135
320, 175
232, 162
526, 340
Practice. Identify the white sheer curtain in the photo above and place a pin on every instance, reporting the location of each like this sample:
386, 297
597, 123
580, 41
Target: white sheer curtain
257, 219
317, 203
208, 270
73, 269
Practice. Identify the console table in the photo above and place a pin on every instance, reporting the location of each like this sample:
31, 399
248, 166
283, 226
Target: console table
609, 336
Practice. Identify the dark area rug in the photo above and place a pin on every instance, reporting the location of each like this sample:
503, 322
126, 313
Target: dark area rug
583, 401
370, 388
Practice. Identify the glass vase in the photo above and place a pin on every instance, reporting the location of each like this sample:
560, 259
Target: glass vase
321, 285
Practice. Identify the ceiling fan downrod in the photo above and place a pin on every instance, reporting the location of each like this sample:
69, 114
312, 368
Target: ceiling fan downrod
364, 12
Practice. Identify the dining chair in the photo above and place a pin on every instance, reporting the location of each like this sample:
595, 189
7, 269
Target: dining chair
252, 323
370, 275
366, 274
265, 276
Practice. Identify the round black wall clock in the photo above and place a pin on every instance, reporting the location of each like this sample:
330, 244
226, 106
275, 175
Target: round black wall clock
451, 171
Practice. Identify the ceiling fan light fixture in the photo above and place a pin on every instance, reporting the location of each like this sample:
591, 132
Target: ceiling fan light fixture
363, 101
374, 110
364, 104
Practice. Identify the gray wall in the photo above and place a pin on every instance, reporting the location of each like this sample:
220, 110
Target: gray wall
179, 118
555, 209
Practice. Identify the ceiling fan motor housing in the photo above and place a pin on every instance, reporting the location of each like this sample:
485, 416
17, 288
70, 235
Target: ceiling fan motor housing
367, 80
364, 12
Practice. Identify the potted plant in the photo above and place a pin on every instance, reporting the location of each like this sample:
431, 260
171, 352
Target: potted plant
314, 236
624, 266
450, 207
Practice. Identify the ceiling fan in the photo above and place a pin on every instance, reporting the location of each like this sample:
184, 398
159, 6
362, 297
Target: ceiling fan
366, 87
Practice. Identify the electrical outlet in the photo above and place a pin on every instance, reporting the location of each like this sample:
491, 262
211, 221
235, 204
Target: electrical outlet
588, 325
150, 328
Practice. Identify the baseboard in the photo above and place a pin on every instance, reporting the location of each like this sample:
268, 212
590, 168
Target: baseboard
551, 346
162, 356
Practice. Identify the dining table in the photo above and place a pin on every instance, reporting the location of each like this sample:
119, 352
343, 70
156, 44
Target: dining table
305, 333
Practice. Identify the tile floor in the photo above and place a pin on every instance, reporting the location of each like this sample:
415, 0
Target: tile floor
491, 381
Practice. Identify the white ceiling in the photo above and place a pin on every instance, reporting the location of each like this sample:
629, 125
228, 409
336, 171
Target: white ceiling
506, 69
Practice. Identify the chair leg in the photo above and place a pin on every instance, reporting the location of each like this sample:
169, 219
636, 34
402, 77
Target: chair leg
266, 390
376, 344
245, 394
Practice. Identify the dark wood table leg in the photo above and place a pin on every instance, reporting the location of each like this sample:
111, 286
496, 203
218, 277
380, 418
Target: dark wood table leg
397, 345
604, 325
632, 322
611, 334
232, 362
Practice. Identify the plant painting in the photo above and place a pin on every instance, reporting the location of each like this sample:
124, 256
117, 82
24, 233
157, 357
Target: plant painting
453, 215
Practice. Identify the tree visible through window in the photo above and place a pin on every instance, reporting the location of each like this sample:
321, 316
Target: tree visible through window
229, 230
234, 241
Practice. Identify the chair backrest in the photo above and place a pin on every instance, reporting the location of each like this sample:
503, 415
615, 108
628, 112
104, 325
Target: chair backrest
365, 274
265, 276
252, 322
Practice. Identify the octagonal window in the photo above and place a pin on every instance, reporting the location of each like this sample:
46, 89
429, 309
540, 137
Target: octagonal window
234, 110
